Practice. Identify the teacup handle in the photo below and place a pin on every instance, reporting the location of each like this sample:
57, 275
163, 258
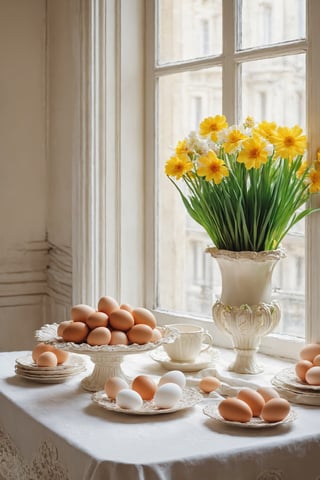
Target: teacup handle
206, 344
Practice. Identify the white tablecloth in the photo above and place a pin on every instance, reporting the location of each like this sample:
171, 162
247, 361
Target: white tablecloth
55, 431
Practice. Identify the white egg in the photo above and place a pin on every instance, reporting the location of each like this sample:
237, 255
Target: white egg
167, 395
129, 399
175, 376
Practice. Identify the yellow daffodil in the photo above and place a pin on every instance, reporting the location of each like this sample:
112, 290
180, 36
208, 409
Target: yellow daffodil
212, 125
182, 147
303, 167
233, 139
267, 130
314, 177
253, 153
178, 165
212, 168
249, 122
289, 142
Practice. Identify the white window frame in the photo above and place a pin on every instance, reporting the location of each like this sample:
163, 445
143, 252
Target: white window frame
115, 181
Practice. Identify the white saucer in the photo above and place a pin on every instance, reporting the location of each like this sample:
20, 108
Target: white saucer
202, 361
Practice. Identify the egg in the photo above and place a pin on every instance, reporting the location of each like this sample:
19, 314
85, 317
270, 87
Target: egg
167, 395
40, 348
313, 376
118, 338
253, 398
144, 316
99, 336
47, 359
156, 335
114, 385
140, 334
174, 376
97, 319
62, 326
235, 410
145, 386
301, 369
316, 360
61, 355
129, 399
121, 320
275, 410
81, 312
209, 384
107, 305
268, 393
309, 351
75, 332
126, 306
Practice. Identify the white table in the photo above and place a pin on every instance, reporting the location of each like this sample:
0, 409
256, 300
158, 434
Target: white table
55, 431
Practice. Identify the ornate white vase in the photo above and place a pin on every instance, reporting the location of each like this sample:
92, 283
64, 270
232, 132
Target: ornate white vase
245, 310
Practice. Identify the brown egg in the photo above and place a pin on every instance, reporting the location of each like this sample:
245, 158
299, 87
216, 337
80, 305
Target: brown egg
99, 336
97, 319
140, 334
209, 384
254, 399
145, 386
61, 355
235, 410
316, 360
107, 305
47, 359
144, 316
313, 376
268, 393
81, 312
121, 320
275, 410
126, 306
156, 335
118, 338
62, 326
301, 369
114, 385
75, 332
40, 348
309, 351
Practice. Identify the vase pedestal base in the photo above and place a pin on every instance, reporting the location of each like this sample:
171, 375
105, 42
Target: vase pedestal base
246, 325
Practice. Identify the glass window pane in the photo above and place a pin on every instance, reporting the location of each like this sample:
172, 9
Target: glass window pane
189, 29
266, 22
275, 90
185, 273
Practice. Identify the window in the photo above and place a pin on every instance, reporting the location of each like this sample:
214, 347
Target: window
262, 66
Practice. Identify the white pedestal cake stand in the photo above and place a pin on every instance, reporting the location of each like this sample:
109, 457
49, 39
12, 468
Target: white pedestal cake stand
107, 359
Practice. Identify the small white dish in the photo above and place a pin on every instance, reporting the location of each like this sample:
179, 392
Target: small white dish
204, 360
256, 422
190, 397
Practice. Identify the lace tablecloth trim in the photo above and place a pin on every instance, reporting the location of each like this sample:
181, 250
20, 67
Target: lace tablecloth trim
45, 465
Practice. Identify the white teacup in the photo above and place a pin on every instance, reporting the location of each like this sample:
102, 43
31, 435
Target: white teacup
191, 341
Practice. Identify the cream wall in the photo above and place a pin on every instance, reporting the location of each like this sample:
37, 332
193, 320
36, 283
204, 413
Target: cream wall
38, 138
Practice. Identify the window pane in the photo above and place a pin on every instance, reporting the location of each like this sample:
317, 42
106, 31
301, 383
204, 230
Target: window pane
185, 273
189, 29
275, 90
268, 22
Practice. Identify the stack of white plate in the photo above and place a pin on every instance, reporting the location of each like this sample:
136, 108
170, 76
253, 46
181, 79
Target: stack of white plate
294, 390
27, 368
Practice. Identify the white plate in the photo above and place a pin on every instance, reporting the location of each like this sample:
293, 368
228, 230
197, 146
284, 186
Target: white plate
74, 362
202, 361
256, 422
288, 377
190, 397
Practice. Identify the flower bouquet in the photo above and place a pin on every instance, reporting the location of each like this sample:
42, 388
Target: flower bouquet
246, 185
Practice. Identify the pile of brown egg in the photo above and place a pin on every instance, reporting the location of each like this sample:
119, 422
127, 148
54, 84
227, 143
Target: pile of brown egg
110, 324
308, 367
